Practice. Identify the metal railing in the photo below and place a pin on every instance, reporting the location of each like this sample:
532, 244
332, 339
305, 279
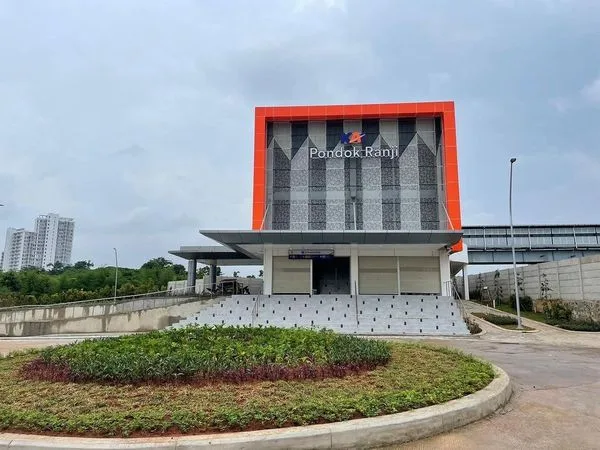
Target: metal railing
184, 292
255, 311
451, 286
356, 301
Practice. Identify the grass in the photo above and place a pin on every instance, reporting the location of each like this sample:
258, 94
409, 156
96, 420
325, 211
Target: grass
572, 325
201, 354
416, 376
538, 317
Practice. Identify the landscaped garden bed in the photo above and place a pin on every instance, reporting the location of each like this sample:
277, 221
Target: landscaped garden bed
508, 322
558, 320
197, 380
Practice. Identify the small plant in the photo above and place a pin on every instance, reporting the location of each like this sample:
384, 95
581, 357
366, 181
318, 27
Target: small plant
520, 284
525, 302
479, 287
473, 326
545, 288
498, 294
557, 311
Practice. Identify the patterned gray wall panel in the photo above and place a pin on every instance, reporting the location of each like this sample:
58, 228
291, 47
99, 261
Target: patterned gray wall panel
400, 189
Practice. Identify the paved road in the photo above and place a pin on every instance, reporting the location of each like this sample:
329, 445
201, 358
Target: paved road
556, 404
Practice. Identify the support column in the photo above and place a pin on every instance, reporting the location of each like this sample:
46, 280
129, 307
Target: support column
445, 273
465, 283
191, 277
354, 288
212, 274
398, 273
268, 270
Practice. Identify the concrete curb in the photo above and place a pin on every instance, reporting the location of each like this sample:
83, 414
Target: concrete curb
359, 433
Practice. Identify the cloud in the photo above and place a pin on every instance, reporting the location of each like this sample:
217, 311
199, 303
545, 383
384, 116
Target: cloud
591, 92
136, 118
561, 104
303, 5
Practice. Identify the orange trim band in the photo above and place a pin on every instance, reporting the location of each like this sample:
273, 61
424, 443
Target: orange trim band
445, 110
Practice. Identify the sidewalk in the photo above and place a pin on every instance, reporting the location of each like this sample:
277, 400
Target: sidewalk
548, 334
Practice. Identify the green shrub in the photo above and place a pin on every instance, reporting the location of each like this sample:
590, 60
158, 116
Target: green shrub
497, 319
578, 325
557, 311
525, 302
206, 353
473, 326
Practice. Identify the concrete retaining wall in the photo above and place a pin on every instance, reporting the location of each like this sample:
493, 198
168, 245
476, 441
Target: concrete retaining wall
575, 281
136, 315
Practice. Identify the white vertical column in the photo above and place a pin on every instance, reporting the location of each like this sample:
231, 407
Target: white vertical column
465, 282
310, 281
398, 273
354, 288
268, 270
445, 273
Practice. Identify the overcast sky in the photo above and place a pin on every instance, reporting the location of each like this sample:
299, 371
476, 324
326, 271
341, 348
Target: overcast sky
136, 117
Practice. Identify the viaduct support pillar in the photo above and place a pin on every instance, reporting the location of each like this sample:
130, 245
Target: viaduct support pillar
191, 277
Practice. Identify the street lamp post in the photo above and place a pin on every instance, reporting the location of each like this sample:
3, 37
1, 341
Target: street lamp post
116, 272
512, 244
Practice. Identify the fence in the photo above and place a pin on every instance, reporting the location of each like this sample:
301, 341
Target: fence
575, 280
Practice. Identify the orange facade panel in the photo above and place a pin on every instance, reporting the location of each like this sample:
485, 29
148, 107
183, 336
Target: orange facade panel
445, 110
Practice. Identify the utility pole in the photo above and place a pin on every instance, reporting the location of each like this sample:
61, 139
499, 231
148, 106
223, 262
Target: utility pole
116, 272
512, 237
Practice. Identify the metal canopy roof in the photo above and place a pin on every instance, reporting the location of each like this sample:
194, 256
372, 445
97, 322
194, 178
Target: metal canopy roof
217, 254
240, 237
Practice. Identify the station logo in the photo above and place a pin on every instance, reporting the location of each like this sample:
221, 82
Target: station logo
353, 137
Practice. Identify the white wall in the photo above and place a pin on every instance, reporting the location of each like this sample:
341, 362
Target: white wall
572, 280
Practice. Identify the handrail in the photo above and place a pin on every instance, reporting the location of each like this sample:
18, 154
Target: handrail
185, 291
356, 303
255, 310
456, 295
119, 299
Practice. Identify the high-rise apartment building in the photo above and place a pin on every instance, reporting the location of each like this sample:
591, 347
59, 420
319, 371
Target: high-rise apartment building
19, 249
51, 241
54, 239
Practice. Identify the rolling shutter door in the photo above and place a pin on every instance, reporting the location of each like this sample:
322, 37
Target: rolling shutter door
377, 275
419, 275
291, 276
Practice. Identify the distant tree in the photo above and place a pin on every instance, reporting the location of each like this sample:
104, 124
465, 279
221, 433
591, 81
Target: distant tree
179, 270
251, 276
83, 265
10, 281
56, 268
260, 273
204, 271
157, 263
236, 274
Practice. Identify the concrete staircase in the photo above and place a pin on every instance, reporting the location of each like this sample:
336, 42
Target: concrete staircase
362, 314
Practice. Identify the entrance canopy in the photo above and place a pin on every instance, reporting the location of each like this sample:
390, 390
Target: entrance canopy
246, 247
215, 255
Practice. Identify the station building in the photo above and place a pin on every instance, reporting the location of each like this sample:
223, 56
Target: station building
349, 200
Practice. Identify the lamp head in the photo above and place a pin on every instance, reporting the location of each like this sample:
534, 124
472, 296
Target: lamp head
512, 160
